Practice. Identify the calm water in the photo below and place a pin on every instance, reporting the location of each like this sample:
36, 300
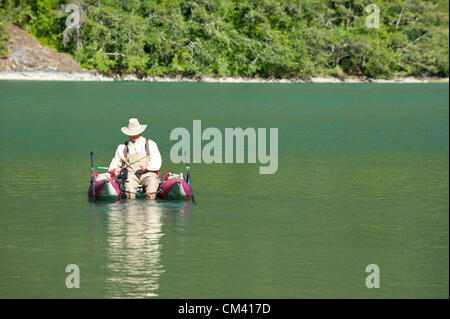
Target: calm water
362, 179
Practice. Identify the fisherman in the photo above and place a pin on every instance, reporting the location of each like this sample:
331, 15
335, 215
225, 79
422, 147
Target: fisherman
141, 158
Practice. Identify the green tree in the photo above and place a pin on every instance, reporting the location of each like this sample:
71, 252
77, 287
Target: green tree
265, 38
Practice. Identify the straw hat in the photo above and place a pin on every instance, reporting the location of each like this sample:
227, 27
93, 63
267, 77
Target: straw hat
134, 128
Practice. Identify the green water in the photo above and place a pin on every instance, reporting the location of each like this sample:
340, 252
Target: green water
362, 179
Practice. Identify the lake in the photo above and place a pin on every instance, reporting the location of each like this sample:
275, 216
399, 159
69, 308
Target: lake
362, 179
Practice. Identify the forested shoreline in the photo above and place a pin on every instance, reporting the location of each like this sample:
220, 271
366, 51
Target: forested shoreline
247, 38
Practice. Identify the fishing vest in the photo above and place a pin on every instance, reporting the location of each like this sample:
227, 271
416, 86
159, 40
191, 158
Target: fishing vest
136, 159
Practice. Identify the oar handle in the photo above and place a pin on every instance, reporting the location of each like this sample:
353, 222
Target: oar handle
93, 176
189, 180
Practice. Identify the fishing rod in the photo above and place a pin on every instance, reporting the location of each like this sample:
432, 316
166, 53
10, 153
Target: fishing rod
123, 175
107, 168
189, 179
93, 176
129, 164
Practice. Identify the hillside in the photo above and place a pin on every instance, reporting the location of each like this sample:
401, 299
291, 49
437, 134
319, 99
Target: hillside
244, 38
25, 54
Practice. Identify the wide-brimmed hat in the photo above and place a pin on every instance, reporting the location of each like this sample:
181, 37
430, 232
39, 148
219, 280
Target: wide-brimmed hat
134, 127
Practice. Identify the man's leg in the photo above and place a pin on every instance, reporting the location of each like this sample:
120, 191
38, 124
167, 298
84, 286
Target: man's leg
131, 185
151, 182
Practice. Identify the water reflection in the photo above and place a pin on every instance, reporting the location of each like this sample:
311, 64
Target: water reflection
134, 246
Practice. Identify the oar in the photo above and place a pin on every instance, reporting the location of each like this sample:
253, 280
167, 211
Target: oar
93, 176
189, 180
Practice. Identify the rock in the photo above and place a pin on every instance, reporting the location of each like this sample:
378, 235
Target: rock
27, 55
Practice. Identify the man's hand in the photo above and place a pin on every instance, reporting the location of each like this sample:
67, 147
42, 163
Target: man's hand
142, 169
116, 171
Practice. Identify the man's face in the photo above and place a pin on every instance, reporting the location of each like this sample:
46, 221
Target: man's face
134, 137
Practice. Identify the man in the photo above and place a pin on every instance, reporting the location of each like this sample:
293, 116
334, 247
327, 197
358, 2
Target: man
141, 158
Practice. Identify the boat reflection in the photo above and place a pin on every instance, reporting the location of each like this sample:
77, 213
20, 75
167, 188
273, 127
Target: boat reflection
134, 246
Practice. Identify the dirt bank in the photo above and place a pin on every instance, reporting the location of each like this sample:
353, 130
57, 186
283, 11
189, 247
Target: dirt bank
27, 55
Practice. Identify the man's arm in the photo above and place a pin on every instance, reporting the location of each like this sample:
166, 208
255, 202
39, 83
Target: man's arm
114, 167
154, 164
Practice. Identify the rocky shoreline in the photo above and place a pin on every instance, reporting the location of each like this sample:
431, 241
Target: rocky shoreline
97, 77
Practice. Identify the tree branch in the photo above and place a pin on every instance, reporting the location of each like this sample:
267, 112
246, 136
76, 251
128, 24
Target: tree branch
116, 54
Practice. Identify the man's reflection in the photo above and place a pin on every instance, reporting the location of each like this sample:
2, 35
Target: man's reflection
134, 245
134, 249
